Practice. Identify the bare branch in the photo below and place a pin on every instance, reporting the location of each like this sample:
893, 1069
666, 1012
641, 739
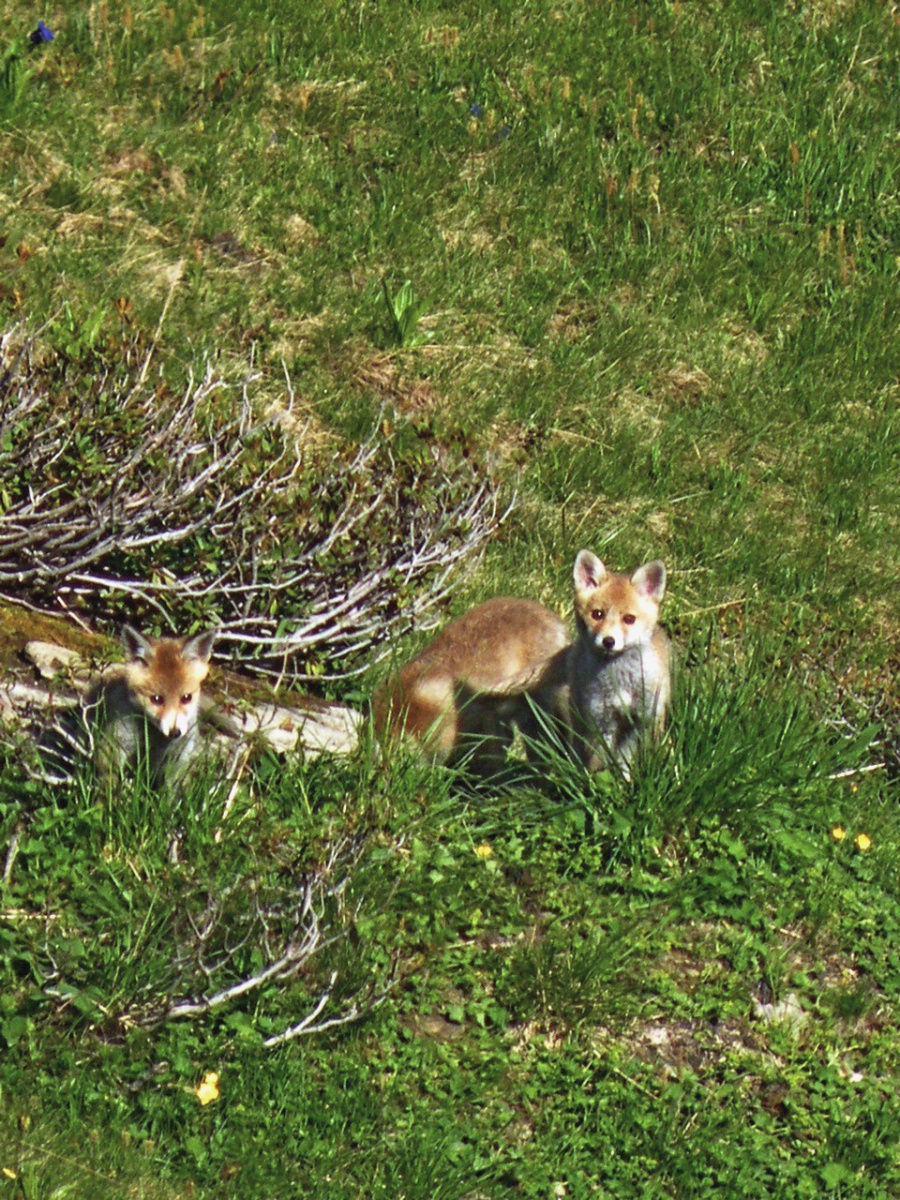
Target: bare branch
308, 559
290, 926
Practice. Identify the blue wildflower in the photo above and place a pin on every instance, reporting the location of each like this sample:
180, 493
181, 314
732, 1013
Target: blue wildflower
41, 34
476, 111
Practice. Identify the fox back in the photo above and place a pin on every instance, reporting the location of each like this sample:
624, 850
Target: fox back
150, 706
465, 690
618, 666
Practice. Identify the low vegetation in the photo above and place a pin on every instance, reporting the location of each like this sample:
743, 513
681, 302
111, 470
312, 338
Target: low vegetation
299, 554
331, 294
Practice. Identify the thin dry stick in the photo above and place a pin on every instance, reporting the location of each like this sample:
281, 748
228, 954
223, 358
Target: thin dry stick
239, 765
696, 612
177, 276
286, 926
12, 853
849, 772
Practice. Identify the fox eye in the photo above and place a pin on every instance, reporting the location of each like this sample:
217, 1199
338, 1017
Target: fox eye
629, 618
597, 614
187, 698
156, 699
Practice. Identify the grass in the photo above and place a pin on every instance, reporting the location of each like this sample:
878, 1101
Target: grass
641, 261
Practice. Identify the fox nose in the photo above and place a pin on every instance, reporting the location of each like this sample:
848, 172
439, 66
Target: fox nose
171, 728
609, 643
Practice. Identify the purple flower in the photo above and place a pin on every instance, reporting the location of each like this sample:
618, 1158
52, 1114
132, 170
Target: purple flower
476, 111
41, 34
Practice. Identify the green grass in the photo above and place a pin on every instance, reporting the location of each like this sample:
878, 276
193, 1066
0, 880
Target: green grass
652, 281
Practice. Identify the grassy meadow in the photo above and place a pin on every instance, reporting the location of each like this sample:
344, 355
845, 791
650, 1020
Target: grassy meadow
640, 264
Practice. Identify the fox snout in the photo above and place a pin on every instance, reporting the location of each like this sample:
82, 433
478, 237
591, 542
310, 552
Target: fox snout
171, 730
174, 723
173, 716
610, 639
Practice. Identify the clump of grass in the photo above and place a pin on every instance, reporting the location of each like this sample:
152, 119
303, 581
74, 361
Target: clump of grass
194, 918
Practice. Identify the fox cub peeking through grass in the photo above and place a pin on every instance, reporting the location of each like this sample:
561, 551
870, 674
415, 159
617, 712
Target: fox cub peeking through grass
139, 716
151, 707
460, 697
618, 666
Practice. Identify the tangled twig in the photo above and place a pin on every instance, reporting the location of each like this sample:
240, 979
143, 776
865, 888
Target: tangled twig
127, 498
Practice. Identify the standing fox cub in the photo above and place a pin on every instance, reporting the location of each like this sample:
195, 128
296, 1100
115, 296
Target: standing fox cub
618, 665
141, 715
459, 697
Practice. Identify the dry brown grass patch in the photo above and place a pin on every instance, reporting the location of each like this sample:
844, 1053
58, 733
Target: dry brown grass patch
381, 375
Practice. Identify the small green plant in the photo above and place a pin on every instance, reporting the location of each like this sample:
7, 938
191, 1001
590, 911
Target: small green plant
14, 75
405, 311
15, 71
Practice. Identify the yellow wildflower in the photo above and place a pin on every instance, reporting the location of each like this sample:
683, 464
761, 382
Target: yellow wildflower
838, 833
208, 1090
862, 841
8, 1173
485, 850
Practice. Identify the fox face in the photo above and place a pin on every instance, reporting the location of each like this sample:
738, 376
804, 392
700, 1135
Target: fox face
164, 677
615, 612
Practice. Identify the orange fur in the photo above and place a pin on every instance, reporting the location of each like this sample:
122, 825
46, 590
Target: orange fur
468, 686
148, 708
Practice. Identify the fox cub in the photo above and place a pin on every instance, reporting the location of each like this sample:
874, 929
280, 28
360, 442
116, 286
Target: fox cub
141, 715
618, 665
461, 695
151, 706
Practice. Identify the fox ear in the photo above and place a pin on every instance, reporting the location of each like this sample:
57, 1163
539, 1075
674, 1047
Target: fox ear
199, 647
136, 645
589, 571
650, 580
